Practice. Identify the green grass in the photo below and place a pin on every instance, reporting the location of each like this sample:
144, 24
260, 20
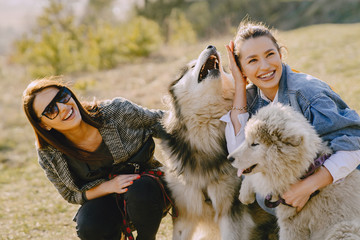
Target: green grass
31, 208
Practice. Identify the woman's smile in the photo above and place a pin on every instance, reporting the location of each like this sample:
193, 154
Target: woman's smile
267, 76
70, 115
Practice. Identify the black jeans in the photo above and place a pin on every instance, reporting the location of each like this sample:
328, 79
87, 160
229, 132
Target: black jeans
101, 218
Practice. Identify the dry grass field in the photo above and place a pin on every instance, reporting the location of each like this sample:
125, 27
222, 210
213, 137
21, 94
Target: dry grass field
30, 207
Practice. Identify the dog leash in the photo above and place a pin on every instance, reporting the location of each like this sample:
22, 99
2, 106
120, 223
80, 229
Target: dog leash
318, 162
127, 227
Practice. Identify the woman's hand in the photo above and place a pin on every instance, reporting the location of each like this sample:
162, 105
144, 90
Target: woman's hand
234, 68
118, 185
299, 193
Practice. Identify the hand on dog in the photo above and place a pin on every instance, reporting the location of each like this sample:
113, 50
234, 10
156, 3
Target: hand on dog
299, 193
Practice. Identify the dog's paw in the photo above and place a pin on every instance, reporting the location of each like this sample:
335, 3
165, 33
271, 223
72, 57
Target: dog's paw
246, 198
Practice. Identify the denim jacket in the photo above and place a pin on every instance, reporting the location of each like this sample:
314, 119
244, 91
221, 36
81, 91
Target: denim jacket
332, 119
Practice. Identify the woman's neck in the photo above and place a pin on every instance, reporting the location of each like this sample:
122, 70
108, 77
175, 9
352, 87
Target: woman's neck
85, 137
270, 93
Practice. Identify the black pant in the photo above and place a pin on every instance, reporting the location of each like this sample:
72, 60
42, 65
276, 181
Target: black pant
101, 218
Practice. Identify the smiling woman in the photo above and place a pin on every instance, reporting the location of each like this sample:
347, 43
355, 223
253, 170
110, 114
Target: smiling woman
100, 156
255, 56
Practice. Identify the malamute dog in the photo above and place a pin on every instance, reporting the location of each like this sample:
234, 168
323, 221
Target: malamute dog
280, 147
202, 181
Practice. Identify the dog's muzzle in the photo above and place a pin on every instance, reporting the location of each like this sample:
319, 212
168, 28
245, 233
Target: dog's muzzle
231, 159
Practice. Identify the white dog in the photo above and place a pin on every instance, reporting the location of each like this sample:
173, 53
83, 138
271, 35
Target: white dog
202, 181
280, 146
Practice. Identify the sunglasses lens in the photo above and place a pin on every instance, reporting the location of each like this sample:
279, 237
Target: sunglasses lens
63, 96
52, 110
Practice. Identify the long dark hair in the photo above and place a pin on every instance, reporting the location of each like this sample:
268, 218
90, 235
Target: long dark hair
54, 138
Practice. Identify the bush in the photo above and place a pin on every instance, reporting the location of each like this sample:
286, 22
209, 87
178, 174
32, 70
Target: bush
180, 30
58, 46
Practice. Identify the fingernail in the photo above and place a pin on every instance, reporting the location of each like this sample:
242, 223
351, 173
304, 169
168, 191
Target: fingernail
138, 176
125, 190
131, 182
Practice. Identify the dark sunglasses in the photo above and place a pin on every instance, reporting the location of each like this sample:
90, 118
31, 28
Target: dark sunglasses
52, 111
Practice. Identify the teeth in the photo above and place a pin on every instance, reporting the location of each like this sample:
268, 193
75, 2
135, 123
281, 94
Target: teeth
267, 75
69, 114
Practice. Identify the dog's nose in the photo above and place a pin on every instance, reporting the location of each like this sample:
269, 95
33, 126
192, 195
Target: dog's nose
211, 46
231, 159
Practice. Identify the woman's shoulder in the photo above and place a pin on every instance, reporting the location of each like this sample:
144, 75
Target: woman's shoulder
115, 104
305, 84
46, 154
117, 109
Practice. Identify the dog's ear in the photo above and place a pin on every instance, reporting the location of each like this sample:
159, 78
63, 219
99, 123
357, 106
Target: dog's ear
293, 140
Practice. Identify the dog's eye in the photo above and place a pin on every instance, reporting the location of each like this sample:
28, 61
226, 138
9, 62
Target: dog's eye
192, 66
254, 144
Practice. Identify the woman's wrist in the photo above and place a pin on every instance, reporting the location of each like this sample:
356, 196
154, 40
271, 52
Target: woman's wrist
318, 180
240, 85
239, 108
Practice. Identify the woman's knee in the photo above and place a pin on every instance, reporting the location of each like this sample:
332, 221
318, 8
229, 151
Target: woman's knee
99, 219
145, 190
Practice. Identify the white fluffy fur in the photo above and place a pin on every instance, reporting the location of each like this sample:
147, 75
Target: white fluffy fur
193, 122
283, 145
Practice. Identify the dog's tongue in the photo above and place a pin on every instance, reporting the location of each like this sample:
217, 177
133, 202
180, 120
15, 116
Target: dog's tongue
239, 172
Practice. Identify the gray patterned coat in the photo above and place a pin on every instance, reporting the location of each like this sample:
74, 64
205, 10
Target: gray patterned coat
125, 128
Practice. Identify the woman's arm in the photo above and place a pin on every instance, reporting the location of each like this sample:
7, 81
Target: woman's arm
338, 166
132, 115
72, 196
299, 193
239, 101
336, 128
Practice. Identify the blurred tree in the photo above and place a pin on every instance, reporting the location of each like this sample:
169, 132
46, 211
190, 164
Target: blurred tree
159, 11
57, 45
180, 30
200, 15
50, 48
98, 9
213, 17
141, 37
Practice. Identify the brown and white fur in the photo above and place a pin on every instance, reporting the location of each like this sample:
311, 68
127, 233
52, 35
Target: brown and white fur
280, 144
202, 182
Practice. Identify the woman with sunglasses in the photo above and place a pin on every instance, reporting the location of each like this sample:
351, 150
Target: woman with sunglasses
87, 152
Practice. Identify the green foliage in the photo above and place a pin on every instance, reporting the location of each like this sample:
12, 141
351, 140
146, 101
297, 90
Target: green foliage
180, 29
98, 9
199, 15
58, 46
141, 36
213, 17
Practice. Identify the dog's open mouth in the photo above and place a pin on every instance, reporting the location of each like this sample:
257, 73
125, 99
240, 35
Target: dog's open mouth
211, 65
245, 171
248, 170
